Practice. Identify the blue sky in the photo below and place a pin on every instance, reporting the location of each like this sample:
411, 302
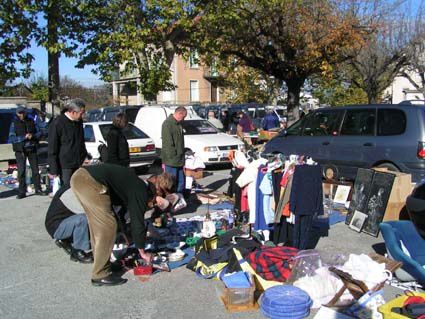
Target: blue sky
66, 68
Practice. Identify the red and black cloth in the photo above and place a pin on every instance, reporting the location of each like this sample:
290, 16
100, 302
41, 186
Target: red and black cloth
273, 263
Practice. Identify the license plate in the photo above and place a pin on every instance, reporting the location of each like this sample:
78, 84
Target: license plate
135, 149
224, 154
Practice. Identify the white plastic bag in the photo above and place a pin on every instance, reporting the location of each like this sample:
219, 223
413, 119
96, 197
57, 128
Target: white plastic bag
56, 184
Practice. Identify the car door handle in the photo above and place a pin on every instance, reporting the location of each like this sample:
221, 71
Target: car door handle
326, 143
368, 144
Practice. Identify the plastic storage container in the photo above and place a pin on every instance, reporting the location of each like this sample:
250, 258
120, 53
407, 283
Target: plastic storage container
397, 302
239, 296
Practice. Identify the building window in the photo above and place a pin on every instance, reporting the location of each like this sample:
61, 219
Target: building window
194, 91
194, 60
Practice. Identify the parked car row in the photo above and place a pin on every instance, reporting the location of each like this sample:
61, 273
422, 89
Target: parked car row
200, 136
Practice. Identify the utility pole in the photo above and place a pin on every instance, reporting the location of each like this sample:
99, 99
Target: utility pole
53, 53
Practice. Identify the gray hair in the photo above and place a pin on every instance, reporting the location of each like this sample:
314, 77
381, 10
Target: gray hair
75, 105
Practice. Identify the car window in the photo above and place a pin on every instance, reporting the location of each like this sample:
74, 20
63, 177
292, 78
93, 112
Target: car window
131, 132
193, 127
280, 112
261, 113
322, 123
131, 114
109, 115
391, 122
296, 128
89, 134
359, 122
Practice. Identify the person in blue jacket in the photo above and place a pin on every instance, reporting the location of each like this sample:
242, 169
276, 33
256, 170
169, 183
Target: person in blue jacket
270, 121
24, 136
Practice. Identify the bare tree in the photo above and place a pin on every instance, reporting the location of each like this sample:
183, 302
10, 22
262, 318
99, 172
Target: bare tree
386, 53
415, 70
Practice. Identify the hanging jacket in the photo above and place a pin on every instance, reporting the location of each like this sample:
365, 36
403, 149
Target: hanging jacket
306, 194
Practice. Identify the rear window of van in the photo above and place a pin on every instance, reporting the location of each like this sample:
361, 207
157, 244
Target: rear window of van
391, 122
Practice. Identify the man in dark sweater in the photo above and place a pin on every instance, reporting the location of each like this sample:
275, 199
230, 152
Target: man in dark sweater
98, 187
67, 150
67, 223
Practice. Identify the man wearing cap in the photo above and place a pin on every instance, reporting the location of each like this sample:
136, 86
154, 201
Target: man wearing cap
67, 150
23, 135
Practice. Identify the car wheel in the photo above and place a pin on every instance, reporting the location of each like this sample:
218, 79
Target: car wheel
389, 166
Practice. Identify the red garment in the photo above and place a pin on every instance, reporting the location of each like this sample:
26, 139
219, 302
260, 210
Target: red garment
285, 177
286, 212
244, 199
273, 263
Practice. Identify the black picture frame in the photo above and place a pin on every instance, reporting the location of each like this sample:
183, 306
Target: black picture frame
361, 190
379, 194
358, 221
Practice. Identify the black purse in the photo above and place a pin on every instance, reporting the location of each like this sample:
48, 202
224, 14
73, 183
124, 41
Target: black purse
29, 146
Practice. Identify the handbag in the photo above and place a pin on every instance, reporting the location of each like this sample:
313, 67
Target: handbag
29, 146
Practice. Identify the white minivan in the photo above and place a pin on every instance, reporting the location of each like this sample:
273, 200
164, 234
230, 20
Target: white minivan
199, 135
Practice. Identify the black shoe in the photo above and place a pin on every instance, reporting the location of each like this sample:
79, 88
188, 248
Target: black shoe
110, 280
81, 256
20, 196
40, 193
65, 245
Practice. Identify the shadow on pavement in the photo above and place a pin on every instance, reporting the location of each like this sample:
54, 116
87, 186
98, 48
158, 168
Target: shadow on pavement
8, 193
380, 248
216, 185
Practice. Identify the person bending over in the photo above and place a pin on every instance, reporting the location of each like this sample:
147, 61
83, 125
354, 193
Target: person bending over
98, 187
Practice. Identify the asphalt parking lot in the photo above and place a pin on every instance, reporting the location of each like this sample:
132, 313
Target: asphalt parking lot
37, 279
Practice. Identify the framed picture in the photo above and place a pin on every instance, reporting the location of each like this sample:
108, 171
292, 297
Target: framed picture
382, 185
358, 221
361, 189
341, 194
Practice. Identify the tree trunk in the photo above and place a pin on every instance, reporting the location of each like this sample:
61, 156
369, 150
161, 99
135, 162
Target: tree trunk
53, 55
293, 101
372, 94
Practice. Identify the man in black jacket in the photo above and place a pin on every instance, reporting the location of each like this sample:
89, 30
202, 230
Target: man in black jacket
67, 224
23, 135
67, 150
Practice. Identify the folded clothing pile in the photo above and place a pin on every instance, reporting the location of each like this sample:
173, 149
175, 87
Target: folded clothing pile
285, 301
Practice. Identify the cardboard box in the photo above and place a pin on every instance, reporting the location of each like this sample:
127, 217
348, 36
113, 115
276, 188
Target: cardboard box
402, 187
